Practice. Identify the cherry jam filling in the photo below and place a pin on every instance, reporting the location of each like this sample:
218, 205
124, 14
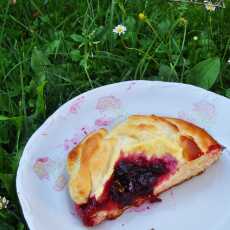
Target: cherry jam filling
132, 180
131, 184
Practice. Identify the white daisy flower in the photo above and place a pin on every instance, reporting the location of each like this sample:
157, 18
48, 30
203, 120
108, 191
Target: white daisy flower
119, 29
3, 202
209, 6
229, 61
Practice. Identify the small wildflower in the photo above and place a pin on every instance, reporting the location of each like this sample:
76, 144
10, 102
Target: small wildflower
209, 6
13, 2
3, 203
183, 21
229, 61
119, 29
141, 16
195, 38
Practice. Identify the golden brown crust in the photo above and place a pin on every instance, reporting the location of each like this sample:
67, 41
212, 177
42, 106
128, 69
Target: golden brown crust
91, 163
78, 165
201, 137
87, 146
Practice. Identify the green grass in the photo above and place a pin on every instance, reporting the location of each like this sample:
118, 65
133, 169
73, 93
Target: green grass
51, 51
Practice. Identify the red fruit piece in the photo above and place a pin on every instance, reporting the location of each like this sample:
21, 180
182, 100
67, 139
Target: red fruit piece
191, 150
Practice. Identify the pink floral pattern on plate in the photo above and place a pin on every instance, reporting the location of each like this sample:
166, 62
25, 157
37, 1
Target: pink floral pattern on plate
204, 109
60, 183
53, 171
42, 166
108, 103
75, 105
70, 143
202, 112
103, 121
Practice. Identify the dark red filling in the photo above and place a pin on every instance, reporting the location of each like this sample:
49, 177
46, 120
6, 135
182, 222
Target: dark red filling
131, 184
134, 179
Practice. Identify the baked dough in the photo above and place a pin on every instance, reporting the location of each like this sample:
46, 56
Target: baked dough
92, 162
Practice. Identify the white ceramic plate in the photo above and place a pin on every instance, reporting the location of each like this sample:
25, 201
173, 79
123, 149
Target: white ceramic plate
201, 203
